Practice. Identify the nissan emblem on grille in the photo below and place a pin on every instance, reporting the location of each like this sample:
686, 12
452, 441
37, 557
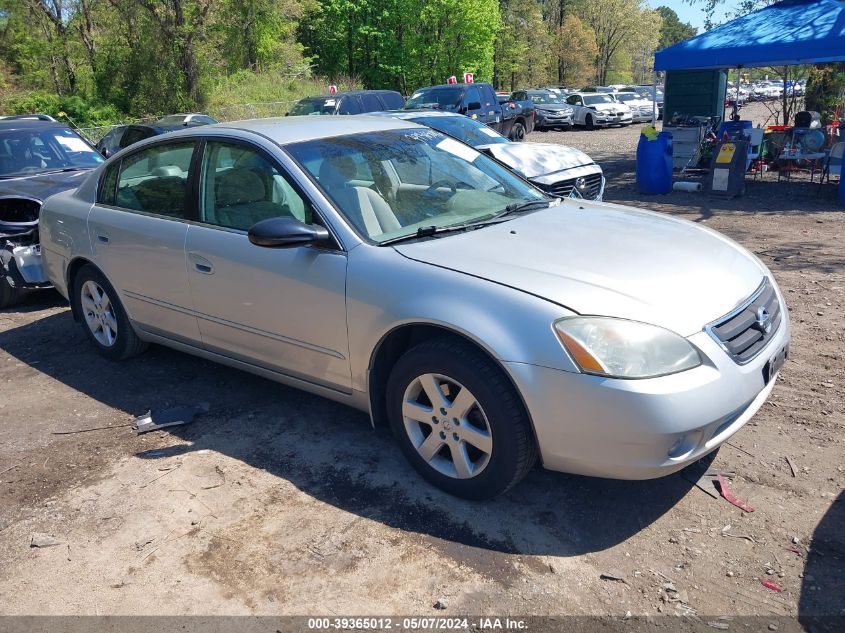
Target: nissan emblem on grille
764, 320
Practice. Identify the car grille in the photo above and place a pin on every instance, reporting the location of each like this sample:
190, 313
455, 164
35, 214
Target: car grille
745, 332
590, 190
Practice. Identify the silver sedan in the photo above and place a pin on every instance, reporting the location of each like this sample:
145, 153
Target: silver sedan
389, 267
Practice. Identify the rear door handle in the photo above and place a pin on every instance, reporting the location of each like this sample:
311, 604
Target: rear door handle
201, 264
103, 238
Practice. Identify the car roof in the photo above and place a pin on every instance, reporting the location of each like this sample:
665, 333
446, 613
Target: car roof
31, 124
407, 115
294, 129
589, 94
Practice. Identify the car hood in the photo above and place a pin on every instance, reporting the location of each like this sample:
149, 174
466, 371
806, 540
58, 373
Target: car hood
610, 107
537, 159
600, 259
41, 186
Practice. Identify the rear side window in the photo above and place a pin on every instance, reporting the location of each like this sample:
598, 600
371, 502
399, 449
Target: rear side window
155, 180
108, 188
349, 105
392, 100
371, 102
473, 96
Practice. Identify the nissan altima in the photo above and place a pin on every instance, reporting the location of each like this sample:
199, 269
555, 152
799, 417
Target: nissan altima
392, 268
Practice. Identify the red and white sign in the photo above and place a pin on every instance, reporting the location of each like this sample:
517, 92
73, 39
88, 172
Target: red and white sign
469, 78
452, 80
332, 89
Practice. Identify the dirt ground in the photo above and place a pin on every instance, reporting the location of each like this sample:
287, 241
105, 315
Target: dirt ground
278, 502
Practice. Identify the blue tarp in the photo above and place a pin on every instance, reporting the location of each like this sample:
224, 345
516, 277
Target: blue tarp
783, 34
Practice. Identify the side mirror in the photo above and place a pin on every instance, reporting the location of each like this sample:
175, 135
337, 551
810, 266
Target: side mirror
106, 152
285, 233
474, 105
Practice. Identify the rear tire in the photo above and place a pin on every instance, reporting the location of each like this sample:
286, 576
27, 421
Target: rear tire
476, 442
517, 132
103, 318
9, 295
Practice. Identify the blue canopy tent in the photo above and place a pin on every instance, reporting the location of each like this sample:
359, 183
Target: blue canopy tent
783, 34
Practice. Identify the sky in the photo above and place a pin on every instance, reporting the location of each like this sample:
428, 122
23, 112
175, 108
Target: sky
694, 14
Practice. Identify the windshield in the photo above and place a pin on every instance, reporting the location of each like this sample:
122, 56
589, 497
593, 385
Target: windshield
314, 106
627, 96
545, 98
389, 184
435, 98
47, 149
594, 99
465, 130
172, 119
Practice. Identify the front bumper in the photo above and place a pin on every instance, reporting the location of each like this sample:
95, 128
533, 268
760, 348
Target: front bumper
607, 120
21, 267
642, 429
545, 119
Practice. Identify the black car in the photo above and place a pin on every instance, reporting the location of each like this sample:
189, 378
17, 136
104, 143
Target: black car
38, 158
356, 102
477, 101
121, 136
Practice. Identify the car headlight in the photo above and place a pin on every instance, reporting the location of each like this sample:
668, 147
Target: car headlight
618, 348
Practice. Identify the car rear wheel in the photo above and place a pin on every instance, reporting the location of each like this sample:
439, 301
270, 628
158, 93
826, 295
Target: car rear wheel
459, 420
9, 295
517, 132
103, 317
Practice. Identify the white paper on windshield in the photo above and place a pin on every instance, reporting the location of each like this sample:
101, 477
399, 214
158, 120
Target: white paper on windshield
73, 144
458, 149
489, 132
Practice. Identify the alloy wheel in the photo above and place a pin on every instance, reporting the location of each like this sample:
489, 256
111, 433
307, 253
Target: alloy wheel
99, 313
447, 426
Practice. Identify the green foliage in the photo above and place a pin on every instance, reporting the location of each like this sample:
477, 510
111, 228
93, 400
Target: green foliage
73, 109
826, 91
673, 30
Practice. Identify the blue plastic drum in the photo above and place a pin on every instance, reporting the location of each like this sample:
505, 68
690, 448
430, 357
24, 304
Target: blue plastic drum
654, 164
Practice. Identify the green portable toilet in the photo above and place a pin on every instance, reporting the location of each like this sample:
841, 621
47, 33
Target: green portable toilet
694, 93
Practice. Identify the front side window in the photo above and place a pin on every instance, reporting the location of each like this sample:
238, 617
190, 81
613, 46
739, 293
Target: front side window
349, 105
440, 181
239, 186
473, 98
41, 150
155, 180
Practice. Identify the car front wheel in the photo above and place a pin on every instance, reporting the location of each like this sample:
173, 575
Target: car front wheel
459, 420
103, 317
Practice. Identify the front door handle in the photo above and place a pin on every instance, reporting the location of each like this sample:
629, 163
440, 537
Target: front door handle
201, 264
103, 238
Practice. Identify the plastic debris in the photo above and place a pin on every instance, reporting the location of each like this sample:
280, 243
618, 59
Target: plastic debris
730, 497
613, 574
794, 550
43, 540
175, 416
769, 584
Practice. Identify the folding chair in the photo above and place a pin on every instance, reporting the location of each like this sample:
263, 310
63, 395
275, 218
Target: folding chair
833, 164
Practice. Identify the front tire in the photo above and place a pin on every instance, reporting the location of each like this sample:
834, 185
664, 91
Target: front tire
588, 121
459, 420
9, 295
103, 318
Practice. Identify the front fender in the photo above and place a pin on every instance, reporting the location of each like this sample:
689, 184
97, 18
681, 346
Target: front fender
386, 290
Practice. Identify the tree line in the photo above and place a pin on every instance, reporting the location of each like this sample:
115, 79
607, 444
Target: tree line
106, 59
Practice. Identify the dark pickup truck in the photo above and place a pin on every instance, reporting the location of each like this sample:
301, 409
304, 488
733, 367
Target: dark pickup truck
477, 101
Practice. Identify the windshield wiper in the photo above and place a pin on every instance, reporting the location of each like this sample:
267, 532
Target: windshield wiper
427, 231
518, 207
